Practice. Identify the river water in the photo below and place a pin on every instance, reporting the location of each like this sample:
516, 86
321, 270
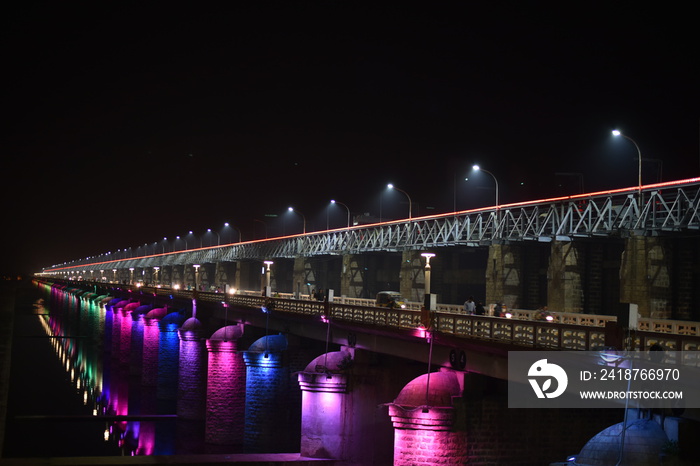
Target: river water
62, 398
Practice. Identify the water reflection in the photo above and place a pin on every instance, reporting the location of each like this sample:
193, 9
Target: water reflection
92, 337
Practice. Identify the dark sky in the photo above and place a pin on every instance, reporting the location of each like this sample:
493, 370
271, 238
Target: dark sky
127, 123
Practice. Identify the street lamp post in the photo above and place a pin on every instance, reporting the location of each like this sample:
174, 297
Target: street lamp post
218, 236
291, 209
410, 207
195, 293
196, 277
477, 168
429, 306
227, 225
268, 278
333, 201
428, 256
639, 155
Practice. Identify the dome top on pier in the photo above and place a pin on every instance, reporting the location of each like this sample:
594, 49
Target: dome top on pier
443, 387
157, 313
269, 343
143, 309
176, 318
644, 440
121, 304
191, 325
230, 332
335, 361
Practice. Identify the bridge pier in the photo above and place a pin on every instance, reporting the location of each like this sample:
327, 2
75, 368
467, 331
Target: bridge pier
504, 275
126, 322
192, 373
661, 275
225, 274
207, 276
267, 404
325, 411
567, 276
188, 276
316, 273
426, 430
412, 276
177, 276
151, 341
165, 276
247, 275
302, 274
565, 288
352, 276
121, 275
136, 356
226, 372
516, 275
342, 394
168, 356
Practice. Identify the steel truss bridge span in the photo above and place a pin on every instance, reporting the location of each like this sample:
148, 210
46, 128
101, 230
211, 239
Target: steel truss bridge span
656, 209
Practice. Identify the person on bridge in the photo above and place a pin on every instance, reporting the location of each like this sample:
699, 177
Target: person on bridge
319, 295
498, 310
469, 305
479, 309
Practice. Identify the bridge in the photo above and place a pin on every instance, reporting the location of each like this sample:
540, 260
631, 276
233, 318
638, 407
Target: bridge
579, 254
576, 254
340, 390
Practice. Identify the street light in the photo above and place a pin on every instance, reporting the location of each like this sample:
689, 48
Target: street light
429, 306
333, 201
218, 237
196, 277
291, 209
428, 256
477, 168
410, 209
268, 281
227, 225
639, 154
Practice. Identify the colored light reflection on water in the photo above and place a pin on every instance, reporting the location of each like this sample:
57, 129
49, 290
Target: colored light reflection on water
68, 384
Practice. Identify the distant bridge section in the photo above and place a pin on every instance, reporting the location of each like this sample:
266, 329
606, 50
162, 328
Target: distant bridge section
653, 210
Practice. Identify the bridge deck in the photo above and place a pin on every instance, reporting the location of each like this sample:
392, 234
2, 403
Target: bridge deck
587, 334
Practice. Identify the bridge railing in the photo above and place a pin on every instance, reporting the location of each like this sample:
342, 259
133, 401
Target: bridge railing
576, 333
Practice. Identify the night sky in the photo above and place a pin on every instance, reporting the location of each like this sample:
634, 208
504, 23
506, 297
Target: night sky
127, 123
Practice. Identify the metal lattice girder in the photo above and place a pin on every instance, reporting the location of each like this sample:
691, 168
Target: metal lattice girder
664, 207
